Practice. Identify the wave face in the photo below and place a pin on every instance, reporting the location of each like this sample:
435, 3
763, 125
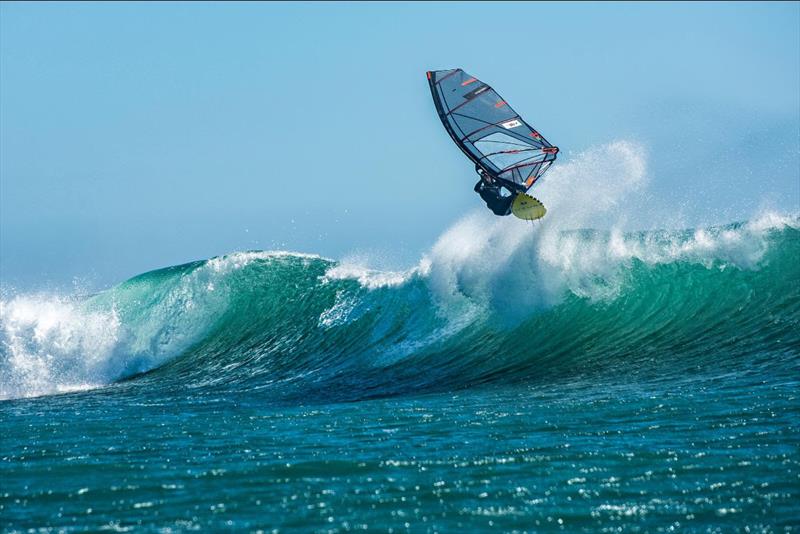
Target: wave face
485, 305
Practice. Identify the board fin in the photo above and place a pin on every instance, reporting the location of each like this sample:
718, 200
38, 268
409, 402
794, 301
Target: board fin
527, 208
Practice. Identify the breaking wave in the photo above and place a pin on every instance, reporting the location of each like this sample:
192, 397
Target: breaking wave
494, 300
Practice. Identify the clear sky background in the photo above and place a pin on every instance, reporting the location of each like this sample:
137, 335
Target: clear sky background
137, 136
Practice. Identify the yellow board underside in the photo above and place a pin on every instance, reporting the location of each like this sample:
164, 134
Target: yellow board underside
527, 208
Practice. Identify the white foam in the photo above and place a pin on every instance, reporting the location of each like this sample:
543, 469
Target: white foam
51, 345
356, 268
340, 312
54, 344
239, 260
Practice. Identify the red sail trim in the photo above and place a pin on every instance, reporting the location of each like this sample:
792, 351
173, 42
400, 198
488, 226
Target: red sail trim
515, 151
519, 166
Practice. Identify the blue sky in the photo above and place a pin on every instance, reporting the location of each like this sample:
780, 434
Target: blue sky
136, 136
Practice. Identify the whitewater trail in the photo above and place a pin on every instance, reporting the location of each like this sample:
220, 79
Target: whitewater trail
288, 318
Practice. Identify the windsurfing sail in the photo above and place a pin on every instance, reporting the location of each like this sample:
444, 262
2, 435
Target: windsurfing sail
489, 131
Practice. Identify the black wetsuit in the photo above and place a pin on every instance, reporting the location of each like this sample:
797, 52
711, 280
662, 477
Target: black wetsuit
490, 194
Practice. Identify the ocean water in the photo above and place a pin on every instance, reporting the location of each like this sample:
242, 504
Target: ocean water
517, 379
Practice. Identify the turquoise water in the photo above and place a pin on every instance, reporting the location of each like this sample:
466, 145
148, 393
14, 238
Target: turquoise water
526, 380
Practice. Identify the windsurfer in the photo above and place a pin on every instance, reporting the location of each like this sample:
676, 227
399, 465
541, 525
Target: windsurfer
491, 193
